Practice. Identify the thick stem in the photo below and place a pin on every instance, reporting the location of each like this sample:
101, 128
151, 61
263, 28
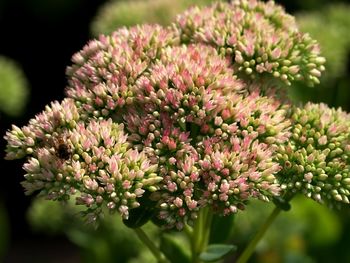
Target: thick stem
152, 247
206, 230
201, 233
188, 231
251, 246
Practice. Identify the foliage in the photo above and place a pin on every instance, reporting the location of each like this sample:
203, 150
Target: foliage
116, 13
13, 88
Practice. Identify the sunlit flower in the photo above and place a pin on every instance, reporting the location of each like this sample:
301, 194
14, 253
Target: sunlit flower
258, 37
315, 160
101, 169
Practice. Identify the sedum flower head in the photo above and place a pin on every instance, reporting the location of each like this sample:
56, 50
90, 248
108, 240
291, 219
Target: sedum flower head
315, 160
104, 72
25, 141
207, 134
146, 114
98, 168
260, 38
174, 126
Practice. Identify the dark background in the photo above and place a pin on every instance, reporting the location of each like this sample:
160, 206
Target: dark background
42, 35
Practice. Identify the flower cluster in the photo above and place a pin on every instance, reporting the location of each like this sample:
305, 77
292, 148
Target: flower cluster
25, 141
104, 72
193, 135
259, 37
152, 122
316, 159
208, 135
90, 161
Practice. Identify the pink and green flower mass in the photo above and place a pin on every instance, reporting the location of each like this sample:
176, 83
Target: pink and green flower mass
181, 118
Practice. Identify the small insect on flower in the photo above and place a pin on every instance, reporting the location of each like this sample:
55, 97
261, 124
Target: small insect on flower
62, 149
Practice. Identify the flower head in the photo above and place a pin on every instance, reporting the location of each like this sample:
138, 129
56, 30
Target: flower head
315, 160
101, 170
208, 135
259, 38
57, 117
150, 121
104, 72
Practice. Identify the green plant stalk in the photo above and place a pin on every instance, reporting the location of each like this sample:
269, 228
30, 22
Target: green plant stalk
248, 251
206, 230
188, 231
201, 233
152, 247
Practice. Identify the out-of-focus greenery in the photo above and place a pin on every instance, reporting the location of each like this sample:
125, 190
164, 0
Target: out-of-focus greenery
117, 13
13, 88
110, 241
293, 235
4, 231
330, 26
292, 238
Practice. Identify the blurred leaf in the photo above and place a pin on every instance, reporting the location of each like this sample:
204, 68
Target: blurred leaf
46, 215
141, 215
215, 252
13, 87
323, 231
296, 257
138, 217
221, 228
173, 250
115, 14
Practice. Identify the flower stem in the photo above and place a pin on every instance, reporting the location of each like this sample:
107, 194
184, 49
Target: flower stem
248, 251
188, 231
152, 247
201, 233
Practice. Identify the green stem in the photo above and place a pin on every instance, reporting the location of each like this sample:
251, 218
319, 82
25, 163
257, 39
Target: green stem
188, 231
251, 246
152, 247
206, 230
201, 233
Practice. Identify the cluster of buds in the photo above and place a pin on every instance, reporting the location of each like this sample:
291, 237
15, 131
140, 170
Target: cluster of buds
93, 162
104, 72
258, 37
316, 159
151, 122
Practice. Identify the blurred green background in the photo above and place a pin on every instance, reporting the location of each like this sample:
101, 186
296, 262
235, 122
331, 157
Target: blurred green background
308, 233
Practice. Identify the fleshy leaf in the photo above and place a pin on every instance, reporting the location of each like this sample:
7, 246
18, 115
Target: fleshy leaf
215, 252
173, 250
221, 228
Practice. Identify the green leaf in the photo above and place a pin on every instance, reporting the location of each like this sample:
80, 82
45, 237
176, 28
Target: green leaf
215, 252
141, 215
138, 217
173, 250
221, 228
